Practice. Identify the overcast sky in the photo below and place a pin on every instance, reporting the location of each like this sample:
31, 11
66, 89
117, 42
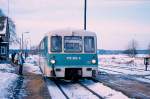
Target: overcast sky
116, 22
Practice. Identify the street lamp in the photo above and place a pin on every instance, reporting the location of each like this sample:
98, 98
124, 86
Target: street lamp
28, 41
22, 41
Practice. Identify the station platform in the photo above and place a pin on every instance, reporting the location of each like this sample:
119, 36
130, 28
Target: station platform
31, 84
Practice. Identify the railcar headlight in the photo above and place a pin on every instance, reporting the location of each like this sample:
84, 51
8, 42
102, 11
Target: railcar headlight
93, 61
52, 61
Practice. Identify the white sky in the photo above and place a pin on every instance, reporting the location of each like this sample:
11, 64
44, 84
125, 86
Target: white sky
116, 22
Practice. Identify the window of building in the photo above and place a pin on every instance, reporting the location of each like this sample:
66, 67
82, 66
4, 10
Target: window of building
3, 50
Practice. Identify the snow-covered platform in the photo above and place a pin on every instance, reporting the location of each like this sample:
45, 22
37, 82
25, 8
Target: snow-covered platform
30, 85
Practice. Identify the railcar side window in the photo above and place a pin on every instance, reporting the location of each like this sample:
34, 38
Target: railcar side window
89, 45
72, 44
56, 44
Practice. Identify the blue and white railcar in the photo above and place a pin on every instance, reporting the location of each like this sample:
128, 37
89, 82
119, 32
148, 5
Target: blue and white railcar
68, 54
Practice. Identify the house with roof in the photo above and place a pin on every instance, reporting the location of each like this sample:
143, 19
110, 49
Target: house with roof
4, 38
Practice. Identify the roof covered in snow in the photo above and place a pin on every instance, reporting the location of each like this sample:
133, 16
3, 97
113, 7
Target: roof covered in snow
3, 26
71, 32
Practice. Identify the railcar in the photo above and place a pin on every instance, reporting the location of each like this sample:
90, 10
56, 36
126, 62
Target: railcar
68, 54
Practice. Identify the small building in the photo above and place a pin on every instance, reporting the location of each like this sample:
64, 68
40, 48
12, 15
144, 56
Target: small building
4, 38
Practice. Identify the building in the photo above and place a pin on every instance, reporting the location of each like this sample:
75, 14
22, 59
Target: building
4, 38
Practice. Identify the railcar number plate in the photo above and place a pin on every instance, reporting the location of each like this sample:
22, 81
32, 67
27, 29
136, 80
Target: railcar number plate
73, 58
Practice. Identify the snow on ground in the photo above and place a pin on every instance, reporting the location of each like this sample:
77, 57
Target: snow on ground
76, 91
104, 91
31, 64
54, 90
6, 68
32, 59
6, 80
148, 77
129, 71
32, 68
122, 64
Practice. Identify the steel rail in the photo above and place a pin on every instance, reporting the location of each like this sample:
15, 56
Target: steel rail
55, 81
100, 97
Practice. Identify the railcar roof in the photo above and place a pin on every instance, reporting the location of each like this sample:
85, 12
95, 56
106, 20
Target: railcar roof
74, 32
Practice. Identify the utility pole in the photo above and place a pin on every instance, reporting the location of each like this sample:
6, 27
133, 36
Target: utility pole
8, 8
85, 13
22, 42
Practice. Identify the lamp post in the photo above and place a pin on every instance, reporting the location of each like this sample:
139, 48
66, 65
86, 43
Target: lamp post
22, 41
28, 43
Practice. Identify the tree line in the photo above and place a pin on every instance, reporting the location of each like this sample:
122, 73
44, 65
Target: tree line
132, 48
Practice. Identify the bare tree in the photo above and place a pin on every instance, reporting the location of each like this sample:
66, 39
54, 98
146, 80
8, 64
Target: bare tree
12, 30
132, 48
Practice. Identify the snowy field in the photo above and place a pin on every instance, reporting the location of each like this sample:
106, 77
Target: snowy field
121, 64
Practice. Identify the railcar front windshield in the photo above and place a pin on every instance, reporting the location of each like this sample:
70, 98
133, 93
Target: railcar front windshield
72, 44
89, 44
56, 44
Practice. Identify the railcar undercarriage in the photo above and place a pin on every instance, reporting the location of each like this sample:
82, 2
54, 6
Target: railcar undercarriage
73, 73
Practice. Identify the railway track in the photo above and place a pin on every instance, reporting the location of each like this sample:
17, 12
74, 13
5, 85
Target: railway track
79, 90
61, 89
122, 73
125, 68
100, 89
111, 70
70, 90
54, 90
96, 94
83, 89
